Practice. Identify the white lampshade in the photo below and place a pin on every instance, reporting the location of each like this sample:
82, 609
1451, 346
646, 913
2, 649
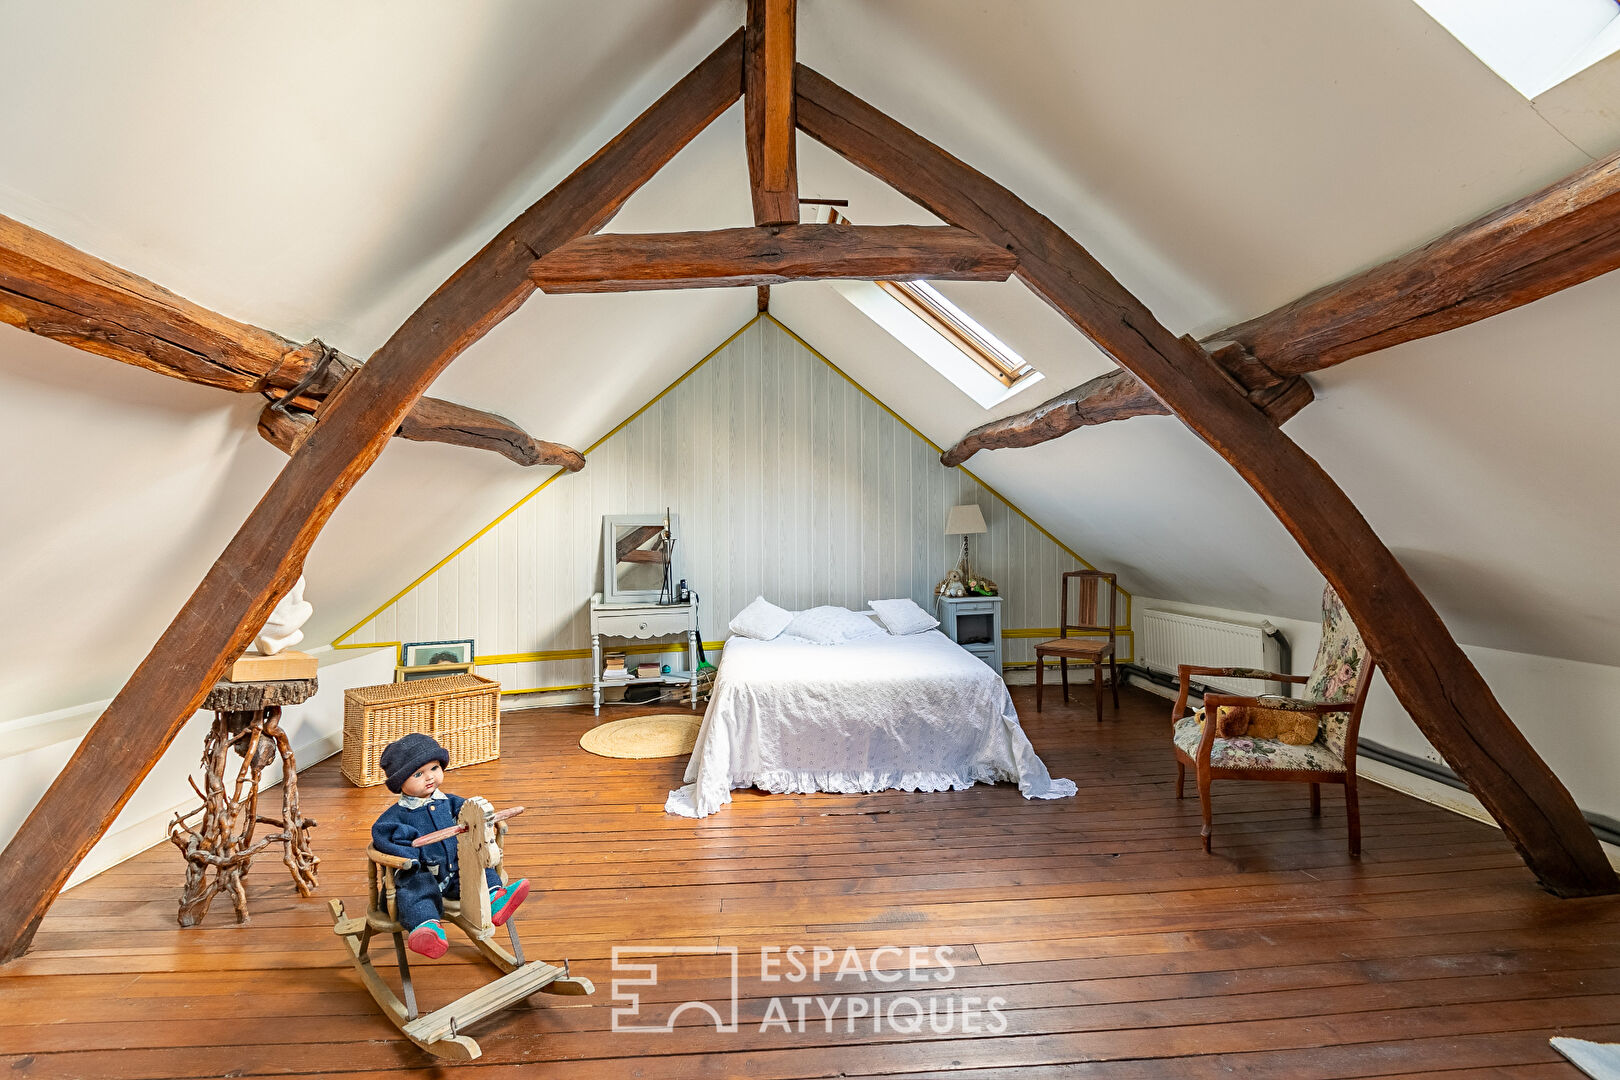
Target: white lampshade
962, 520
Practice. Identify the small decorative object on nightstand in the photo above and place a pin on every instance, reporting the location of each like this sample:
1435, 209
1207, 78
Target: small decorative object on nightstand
965, 521
974, 622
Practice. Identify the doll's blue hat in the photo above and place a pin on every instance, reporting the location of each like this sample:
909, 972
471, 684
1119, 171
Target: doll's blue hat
402, 757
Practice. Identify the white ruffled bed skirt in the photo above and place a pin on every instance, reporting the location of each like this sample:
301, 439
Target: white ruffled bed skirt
684, 801
909, 714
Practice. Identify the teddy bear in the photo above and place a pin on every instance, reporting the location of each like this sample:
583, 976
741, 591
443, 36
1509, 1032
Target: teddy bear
1259, 722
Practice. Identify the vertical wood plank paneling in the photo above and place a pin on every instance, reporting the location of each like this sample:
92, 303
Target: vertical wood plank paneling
789, 482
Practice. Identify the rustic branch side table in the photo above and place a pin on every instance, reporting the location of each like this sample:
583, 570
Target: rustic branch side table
247, 719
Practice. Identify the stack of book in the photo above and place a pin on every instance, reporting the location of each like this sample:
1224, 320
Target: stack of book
613, 669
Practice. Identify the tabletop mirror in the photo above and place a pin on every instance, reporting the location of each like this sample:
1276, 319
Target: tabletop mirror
636, 551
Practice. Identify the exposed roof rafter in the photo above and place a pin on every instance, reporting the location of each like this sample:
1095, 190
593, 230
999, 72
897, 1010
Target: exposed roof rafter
628, 262
1562, 235
266, 555
57, 291
1430, 674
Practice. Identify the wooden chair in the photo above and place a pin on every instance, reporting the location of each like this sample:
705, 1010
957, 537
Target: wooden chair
1335, 690
439, 1032
1094, 650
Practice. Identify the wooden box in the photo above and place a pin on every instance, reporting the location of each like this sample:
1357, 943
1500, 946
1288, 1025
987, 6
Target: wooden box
463, 712
290, 664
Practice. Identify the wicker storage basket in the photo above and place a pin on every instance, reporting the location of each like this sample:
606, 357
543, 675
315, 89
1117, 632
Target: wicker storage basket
463, 712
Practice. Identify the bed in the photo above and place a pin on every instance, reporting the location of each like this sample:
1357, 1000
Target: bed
914, 713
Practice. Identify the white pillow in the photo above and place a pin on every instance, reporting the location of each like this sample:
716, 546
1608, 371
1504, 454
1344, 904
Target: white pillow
761, 619
903, 617
832, 626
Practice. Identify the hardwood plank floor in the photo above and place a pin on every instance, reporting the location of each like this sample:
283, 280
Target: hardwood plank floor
1086, 937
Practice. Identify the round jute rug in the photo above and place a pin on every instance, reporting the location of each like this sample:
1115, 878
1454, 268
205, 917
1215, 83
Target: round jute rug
656, 736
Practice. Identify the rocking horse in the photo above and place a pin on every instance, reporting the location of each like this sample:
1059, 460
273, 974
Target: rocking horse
440, 1032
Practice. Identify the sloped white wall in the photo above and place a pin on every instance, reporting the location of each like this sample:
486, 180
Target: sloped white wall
788, 481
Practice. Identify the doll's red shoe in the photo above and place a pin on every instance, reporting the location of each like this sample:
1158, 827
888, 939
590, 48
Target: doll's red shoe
504, 900
428, 940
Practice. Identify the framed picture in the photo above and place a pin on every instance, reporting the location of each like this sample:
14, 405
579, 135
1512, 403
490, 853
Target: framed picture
424, 653
430, 671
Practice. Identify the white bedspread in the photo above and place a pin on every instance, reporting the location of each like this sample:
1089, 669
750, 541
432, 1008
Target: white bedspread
917, 713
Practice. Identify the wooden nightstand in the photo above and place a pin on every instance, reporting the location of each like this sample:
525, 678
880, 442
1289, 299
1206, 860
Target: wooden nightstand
974, 622
642, 622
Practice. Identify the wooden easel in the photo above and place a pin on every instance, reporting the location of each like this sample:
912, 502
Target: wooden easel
440, 1032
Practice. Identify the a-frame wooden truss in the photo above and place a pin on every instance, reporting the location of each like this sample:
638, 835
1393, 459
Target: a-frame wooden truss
1428, 671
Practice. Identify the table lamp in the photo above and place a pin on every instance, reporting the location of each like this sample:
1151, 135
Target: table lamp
964, 521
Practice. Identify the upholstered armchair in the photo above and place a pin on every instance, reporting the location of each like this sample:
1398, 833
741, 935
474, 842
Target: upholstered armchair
1334, 693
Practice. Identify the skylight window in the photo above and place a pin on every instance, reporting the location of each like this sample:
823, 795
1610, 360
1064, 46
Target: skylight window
945, 337
1532, 44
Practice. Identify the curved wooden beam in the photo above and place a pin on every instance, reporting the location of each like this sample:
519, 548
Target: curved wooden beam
266, 556
432, 420
1562, 235
720, 258
1114, 396
57, 291
1429, 673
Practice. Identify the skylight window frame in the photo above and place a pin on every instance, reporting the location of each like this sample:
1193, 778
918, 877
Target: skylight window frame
953, 324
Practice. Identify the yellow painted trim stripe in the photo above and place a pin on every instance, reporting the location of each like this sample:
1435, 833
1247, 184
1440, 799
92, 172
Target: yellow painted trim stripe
545, 689
1054, 661
709, 646
937, 449
338, 642
545, 483
1052, 632
585, 654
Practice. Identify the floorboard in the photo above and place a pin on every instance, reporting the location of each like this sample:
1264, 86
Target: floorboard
1077, 938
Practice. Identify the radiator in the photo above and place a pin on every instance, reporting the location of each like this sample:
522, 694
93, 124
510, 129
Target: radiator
1168, 640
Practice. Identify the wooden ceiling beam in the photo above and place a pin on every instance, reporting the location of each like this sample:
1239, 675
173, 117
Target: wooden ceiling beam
768, 66
55, 290
264, 559
629, 262
1562, 235
1119, 395
1114, 396
1429, 673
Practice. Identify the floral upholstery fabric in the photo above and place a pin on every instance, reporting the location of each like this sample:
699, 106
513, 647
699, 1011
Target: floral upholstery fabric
1341, 661
1247, 753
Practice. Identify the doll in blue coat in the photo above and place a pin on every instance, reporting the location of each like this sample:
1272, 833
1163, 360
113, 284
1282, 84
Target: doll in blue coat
414, 767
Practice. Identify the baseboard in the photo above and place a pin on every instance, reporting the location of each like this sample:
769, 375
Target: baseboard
149, 832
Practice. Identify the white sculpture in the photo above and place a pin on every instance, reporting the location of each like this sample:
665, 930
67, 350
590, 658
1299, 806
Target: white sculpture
281, 630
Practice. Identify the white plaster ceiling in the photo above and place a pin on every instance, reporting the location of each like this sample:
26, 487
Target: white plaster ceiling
318, 168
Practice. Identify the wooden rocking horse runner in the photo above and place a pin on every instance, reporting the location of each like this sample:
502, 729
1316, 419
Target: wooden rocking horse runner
440, 1032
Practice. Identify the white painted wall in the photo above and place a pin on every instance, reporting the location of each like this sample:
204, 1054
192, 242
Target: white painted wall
33, 750
1564, 707
788, 481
